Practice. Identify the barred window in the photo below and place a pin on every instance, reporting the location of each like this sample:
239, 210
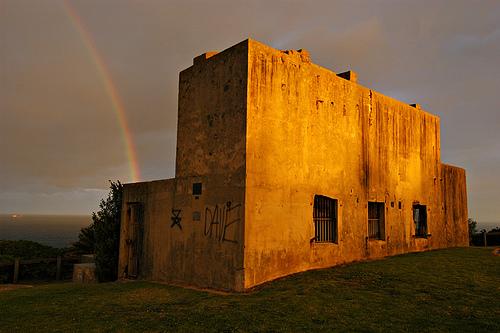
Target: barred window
376, 220
325, 219
420, 220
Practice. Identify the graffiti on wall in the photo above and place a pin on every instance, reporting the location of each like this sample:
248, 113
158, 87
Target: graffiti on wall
221, 220
176, 218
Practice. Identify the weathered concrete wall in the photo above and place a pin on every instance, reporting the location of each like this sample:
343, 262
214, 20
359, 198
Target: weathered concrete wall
454, 200
156, 202
263, 131
204, 247
212, 115
186, 239
311, 132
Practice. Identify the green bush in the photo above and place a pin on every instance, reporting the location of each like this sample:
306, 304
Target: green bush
86, 241
102, 237
5, 259
24, 249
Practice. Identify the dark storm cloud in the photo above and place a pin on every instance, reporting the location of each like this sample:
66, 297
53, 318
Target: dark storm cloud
60, 138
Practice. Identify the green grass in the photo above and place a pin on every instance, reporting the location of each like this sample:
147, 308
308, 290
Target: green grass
452, 290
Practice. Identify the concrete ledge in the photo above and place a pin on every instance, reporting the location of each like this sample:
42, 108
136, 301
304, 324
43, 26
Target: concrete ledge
87, 258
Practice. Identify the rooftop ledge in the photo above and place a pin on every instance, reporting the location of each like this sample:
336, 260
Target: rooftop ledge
204, 57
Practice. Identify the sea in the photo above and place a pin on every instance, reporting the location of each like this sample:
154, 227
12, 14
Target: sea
53, 230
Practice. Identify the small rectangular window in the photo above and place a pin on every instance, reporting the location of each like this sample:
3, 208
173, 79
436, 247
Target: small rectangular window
376, 220
420, 220
196, 188
325, 219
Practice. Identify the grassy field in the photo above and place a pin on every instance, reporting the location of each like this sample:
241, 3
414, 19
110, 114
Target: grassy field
454, 290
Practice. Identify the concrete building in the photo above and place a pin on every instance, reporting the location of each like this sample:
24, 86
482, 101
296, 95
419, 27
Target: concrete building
284, 166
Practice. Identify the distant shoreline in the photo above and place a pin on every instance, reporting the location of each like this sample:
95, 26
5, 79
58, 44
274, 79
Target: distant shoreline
53, 230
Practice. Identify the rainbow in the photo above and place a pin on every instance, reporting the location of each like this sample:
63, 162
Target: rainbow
110, 87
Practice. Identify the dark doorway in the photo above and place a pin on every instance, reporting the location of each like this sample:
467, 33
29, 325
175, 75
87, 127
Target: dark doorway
134, 238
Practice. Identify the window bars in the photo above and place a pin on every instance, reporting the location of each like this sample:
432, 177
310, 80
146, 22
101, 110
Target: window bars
376, 220
325, 219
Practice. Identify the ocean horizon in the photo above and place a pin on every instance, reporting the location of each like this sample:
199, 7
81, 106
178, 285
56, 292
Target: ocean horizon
53, 230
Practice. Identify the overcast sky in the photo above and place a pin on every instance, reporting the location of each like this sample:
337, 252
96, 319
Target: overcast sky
60, 140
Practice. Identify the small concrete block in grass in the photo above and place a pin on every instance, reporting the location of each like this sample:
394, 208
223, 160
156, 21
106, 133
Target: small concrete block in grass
84, 273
